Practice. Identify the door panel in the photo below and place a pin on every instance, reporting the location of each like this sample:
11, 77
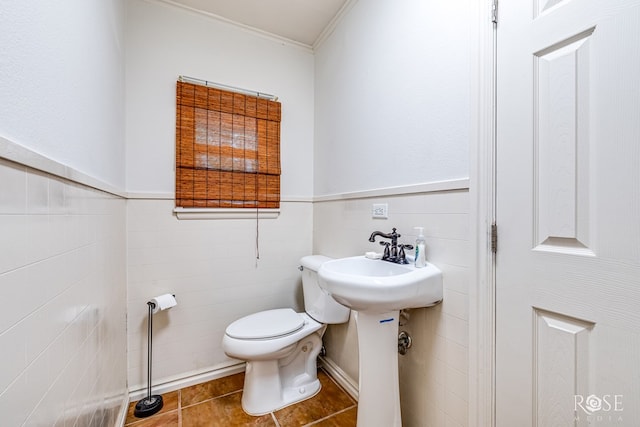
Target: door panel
560, 140
568, 213
560, 366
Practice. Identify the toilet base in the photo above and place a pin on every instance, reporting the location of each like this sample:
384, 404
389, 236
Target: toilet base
269, 396
270, 385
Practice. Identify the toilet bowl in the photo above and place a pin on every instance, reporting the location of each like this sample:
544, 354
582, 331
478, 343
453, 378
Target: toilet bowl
280, 346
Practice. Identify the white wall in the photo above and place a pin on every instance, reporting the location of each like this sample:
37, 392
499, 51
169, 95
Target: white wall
164, 42
211, 267
392, 112
62, 263
208, 264
62, 86
392, 96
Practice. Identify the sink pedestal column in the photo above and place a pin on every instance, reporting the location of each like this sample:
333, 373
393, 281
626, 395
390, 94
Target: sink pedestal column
379, 390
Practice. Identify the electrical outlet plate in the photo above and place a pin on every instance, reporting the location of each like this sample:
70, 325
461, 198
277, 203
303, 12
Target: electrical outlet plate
380, 210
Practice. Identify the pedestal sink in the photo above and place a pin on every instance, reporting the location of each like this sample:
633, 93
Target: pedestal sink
378, 290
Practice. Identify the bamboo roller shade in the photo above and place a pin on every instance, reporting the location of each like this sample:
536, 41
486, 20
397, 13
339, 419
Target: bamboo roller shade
227, 149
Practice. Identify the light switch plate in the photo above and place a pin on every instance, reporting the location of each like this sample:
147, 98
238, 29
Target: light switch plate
380, 210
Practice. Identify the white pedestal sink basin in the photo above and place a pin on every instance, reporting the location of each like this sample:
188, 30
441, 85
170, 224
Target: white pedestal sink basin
377, 286
378, 290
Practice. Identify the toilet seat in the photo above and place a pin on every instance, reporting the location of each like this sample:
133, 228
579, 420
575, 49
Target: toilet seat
266, 324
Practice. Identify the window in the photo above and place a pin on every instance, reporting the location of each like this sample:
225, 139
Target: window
227, 149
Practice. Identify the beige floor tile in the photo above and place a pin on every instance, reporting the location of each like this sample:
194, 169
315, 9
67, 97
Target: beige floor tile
343, 419
215, 388
330, 400
168, 419
223, 411
217, 403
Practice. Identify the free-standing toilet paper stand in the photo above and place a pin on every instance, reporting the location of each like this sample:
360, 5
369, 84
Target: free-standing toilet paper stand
152, 403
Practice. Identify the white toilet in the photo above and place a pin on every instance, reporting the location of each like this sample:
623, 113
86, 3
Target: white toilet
281, 346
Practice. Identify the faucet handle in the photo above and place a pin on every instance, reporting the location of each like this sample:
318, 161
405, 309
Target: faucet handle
386, 254
402, 259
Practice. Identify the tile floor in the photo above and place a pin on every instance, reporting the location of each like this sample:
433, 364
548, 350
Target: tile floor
217, 403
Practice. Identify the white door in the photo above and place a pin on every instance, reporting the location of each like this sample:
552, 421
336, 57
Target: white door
568, 213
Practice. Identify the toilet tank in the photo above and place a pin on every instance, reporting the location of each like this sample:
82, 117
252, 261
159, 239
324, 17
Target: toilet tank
317, 302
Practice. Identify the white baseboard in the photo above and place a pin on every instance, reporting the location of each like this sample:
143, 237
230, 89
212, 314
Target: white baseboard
340, 376
187, 380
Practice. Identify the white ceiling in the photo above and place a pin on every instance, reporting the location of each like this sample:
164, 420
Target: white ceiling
300, 20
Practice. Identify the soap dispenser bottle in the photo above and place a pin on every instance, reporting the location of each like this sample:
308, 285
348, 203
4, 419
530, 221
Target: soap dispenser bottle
420, 258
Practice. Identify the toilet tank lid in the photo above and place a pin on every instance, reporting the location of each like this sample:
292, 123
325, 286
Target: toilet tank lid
266, 324
313, 262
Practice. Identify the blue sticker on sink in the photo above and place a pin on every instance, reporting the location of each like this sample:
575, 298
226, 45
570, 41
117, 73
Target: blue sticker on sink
391, 319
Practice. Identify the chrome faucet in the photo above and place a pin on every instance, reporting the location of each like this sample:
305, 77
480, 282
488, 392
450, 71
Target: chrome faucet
391, 248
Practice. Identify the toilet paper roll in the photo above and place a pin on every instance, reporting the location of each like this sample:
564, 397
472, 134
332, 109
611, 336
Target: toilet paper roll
163, 302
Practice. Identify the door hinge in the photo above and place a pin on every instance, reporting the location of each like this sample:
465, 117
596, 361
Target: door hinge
494, 238
494, 11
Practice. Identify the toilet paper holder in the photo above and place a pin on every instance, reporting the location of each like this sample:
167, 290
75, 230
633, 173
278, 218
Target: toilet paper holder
151, 404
